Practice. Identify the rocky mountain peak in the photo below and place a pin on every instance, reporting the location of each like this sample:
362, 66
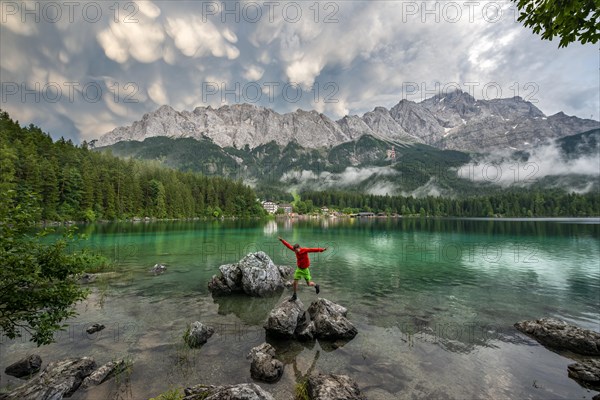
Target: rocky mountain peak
454, 120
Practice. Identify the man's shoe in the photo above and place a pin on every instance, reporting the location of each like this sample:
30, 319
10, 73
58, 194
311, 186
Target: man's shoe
293, 298
317, 288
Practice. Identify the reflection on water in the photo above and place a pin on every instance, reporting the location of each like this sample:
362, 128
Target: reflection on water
434, 301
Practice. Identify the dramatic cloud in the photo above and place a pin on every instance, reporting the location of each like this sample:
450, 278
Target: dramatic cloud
113, 62
508, 169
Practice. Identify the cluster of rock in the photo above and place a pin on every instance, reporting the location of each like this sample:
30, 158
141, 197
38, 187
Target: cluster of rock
254, 275
559, 335
62, 378
319, 387
327, 321
245, 391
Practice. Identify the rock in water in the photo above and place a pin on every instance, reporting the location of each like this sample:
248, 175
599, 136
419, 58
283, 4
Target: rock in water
158, 269
59, 379
198, 334
25, 367
330, 321
587, 372
103, 373
265, 367
94, 328
255, 275
333, 387
87, 278
559, 335
244, 391
285, 318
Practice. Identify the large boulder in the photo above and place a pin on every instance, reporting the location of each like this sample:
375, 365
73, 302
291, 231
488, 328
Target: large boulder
254, 275
198, 334
265, 367
244, 391
333, 387
586, 372
25, 367
59, 379
284, 319
560, 335
330, 322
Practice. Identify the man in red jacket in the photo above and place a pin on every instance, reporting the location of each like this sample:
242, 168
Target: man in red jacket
302, 262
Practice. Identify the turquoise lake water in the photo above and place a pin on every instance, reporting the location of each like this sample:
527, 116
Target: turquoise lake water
434, 301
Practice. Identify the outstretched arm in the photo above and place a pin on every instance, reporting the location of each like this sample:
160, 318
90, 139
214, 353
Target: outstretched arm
316, 249
286, 244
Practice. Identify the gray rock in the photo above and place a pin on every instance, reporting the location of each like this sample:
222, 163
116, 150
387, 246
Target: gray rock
244, 391
454, 120
330, 321
254, 275
198, 334
285, 318
158, 269
103, 373
333, 387
265, 367
560, 335
94, 328
587, 372
306, 331
59, 379
87, 278
25, 367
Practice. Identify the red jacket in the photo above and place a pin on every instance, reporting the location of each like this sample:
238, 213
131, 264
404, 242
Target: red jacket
302, 260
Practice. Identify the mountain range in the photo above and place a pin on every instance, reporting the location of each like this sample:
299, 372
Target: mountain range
454, 121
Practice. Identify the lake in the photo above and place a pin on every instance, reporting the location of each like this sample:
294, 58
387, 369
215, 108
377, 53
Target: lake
434, 302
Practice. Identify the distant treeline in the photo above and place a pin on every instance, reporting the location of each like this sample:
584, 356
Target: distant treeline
555, 203
70, 182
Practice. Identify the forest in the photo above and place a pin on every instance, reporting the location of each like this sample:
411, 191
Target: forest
514, 203
71, 182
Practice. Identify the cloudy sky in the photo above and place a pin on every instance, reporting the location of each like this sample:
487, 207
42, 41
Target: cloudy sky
80, 69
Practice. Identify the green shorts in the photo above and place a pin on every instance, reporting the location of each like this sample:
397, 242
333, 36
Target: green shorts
302, 274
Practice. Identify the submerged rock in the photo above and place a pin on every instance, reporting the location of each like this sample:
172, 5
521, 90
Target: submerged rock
104, 373
94, 328
330, 321
333, 387
265, 367
59, 379
87, 278
285, 318
25, 367
586, 372
254, 275
198, 334
560, 335
243, 391
158, 269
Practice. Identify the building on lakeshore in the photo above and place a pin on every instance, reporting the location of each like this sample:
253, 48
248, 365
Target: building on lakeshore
269, 206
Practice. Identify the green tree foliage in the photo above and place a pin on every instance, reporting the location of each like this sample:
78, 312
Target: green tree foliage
527, 203
571, 20
75, 183
37, 280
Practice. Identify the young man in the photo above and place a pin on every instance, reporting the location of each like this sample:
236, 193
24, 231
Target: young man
302, 263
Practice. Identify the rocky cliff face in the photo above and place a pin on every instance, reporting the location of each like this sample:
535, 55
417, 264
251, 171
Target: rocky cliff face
453, 121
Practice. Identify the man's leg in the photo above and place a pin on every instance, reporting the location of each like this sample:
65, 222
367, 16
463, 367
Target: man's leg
317, 287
